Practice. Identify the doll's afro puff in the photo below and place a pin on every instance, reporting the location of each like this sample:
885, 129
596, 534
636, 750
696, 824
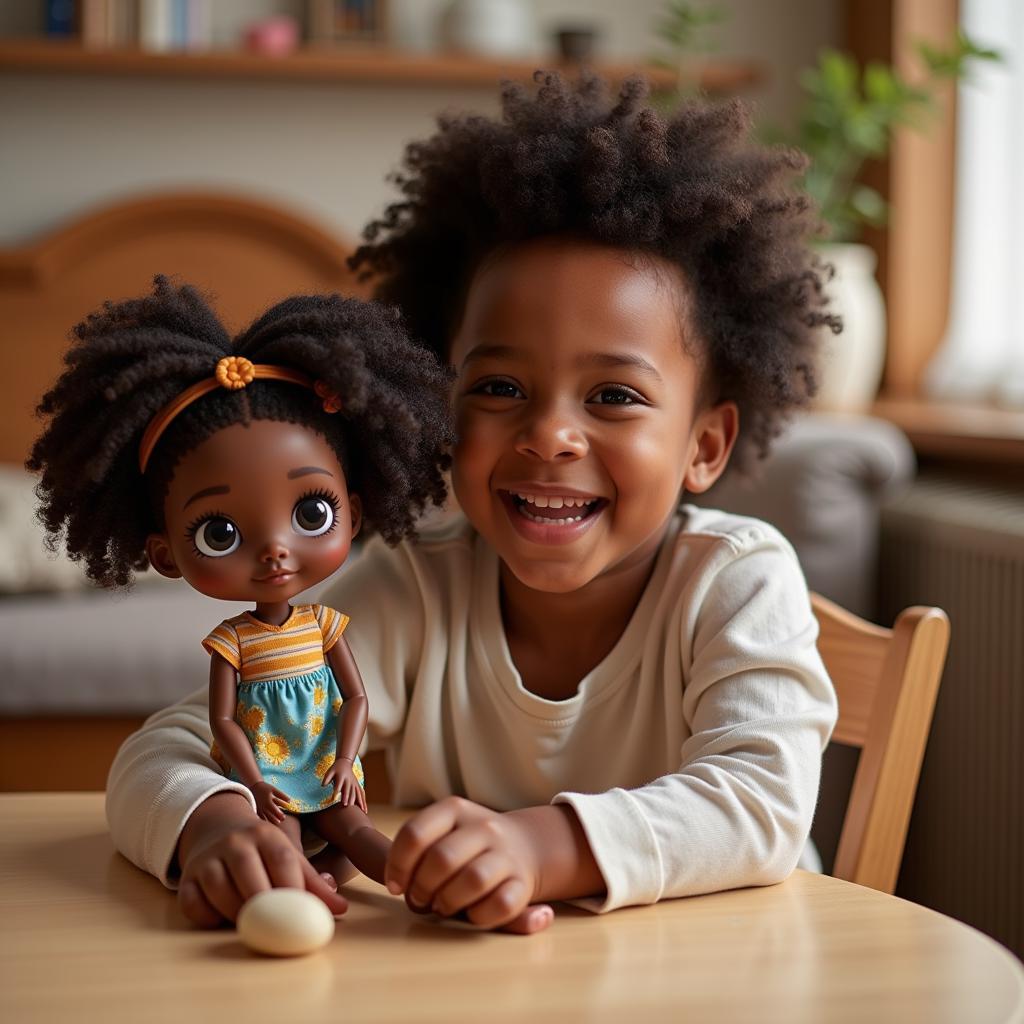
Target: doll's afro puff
131, 358
691, 188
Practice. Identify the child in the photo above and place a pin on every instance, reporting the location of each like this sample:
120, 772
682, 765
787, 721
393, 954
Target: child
593, 691
231, 465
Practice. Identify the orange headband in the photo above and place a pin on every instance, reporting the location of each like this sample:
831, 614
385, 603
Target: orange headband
232, 373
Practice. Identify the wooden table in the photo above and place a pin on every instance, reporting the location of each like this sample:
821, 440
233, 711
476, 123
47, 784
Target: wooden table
88, 937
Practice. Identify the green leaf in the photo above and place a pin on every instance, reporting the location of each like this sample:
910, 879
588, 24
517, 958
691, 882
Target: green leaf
868, 205
838, 75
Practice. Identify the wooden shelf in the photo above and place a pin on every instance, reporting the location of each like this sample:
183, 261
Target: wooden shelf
973, 433
367, 65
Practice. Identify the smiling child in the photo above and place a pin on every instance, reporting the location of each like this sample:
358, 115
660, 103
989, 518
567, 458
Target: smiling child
593, 689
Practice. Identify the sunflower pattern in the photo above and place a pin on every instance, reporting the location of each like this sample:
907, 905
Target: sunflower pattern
292, 724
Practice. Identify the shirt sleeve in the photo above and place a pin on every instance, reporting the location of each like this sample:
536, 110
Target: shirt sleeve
224, 641
161, 774
760, 708
332, 624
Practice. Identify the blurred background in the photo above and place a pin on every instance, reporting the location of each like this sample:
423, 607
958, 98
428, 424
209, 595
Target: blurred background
243, 144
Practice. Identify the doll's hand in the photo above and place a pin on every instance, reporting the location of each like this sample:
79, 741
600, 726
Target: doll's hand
269, 802
458, 857
227, 854
344, 781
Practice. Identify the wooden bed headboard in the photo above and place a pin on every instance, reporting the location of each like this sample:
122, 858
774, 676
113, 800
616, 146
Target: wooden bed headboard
245, 254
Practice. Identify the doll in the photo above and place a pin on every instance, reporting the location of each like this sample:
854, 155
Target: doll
247, 468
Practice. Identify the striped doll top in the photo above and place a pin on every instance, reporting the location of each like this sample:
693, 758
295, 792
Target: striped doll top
260, 651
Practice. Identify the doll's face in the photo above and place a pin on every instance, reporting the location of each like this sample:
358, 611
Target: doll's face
578, 410
257, 512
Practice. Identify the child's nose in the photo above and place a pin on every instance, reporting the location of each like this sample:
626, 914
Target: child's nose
550, 435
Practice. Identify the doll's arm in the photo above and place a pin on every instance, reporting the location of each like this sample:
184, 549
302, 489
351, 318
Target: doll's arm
233, 742
351, 725
355, 707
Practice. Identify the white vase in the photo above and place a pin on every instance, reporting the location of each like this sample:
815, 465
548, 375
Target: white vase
851, 365
493, 28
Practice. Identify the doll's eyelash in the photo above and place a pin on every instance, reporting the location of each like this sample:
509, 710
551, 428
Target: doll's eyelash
193, 528
331, 499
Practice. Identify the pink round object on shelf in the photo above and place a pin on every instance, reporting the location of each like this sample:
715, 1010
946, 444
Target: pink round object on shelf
277, 36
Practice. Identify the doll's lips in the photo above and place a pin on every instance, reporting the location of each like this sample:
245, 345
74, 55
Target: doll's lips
275, 578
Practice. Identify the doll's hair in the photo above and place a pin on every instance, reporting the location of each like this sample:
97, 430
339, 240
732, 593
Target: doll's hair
691, 188
130, 358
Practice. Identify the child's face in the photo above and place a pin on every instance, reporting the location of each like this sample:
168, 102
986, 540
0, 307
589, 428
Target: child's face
256, 513
575, 387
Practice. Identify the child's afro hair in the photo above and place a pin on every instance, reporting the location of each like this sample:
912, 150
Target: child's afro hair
691, 188
131, 358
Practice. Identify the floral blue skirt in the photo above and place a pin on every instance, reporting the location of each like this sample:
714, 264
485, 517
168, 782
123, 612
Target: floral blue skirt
292, 724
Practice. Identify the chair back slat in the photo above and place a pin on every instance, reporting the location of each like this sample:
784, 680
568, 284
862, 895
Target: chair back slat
886, 682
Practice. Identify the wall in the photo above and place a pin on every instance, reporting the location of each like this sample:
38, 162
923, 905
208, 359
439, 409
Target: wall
321, 149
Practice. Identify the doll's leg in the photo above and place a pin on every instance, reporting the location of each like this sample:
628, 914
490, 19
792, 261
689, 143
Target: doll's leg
351, 830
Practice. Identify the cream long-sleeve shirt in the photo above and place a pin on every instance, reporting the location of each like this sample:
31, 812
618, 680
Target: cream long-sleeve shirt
691, 754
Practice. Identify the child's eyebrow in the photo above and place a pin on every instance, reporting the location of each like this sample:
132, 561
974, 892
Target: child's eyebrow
614, 359
491, 352
205, 493
294, 474
601, 359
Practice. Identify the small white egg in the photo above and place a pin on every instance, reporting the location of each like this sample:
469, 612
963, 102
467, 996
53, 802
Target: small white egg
285, 922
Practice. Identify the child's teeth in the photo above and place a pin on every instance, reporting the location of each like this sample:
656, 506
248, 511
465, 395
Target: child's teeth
556, 501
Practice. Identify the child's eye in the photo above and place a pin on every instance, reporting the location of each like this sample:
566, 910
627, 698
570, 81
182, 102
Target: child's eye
314, 515
215, 536
497, 389
616, 395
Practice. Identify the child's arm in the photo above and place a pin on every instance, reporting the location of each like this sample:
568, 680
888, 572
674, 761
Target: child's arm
458, 856
758, 707
351, 724
172, 813
233, 742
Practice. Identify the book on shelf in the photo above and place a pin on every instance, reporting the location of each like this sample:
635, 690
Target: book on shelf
333, 22
60, 18
153, 25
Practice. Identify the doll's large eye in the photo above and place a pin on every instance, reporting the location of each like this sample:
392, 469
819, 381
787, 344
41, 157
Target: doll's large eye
313, 515
216, 537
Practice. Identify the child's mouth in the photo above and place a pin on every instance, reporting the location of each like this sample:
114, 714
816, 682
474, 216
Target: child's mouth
551, 519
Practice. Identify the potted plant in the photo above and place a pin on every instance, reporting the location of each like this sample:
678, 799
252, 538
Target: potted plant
848, 117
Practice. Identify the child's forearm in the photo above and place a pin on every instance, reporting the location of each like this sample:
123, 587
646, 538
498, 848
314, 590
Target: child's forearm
566, 866
215, 816
235, 746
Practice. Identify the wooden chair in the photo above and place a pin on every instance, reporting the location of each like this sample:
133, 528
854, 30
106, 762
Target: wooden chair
886, 681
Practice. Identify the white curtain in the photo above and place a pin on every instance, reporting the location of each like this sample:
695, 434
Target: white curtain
982, 356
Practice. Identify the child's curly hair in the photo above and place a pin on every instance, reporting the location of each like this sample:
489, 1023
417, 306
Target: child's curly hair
692, 189
131, 358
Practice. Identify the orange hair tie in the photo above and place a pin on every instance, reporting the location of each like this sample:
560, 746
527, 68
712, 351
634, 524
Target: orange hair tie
232, 373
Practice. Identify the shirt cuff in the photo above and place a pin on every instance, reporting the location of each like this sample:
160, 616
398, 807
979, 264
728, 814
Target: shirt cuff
182, 794
624, 846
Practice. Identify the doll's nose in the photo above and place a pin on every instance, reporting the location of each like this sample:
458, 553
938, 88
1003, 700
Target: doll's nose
274, 550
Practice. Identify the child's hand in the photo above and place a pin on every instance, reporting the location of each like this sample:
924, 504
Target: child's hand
269, 802
340, 775
227, 854
456, 856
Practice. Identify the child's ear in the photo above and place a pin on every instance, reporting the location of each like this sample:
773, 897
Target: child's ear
356, 508
714, 434
160, 556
